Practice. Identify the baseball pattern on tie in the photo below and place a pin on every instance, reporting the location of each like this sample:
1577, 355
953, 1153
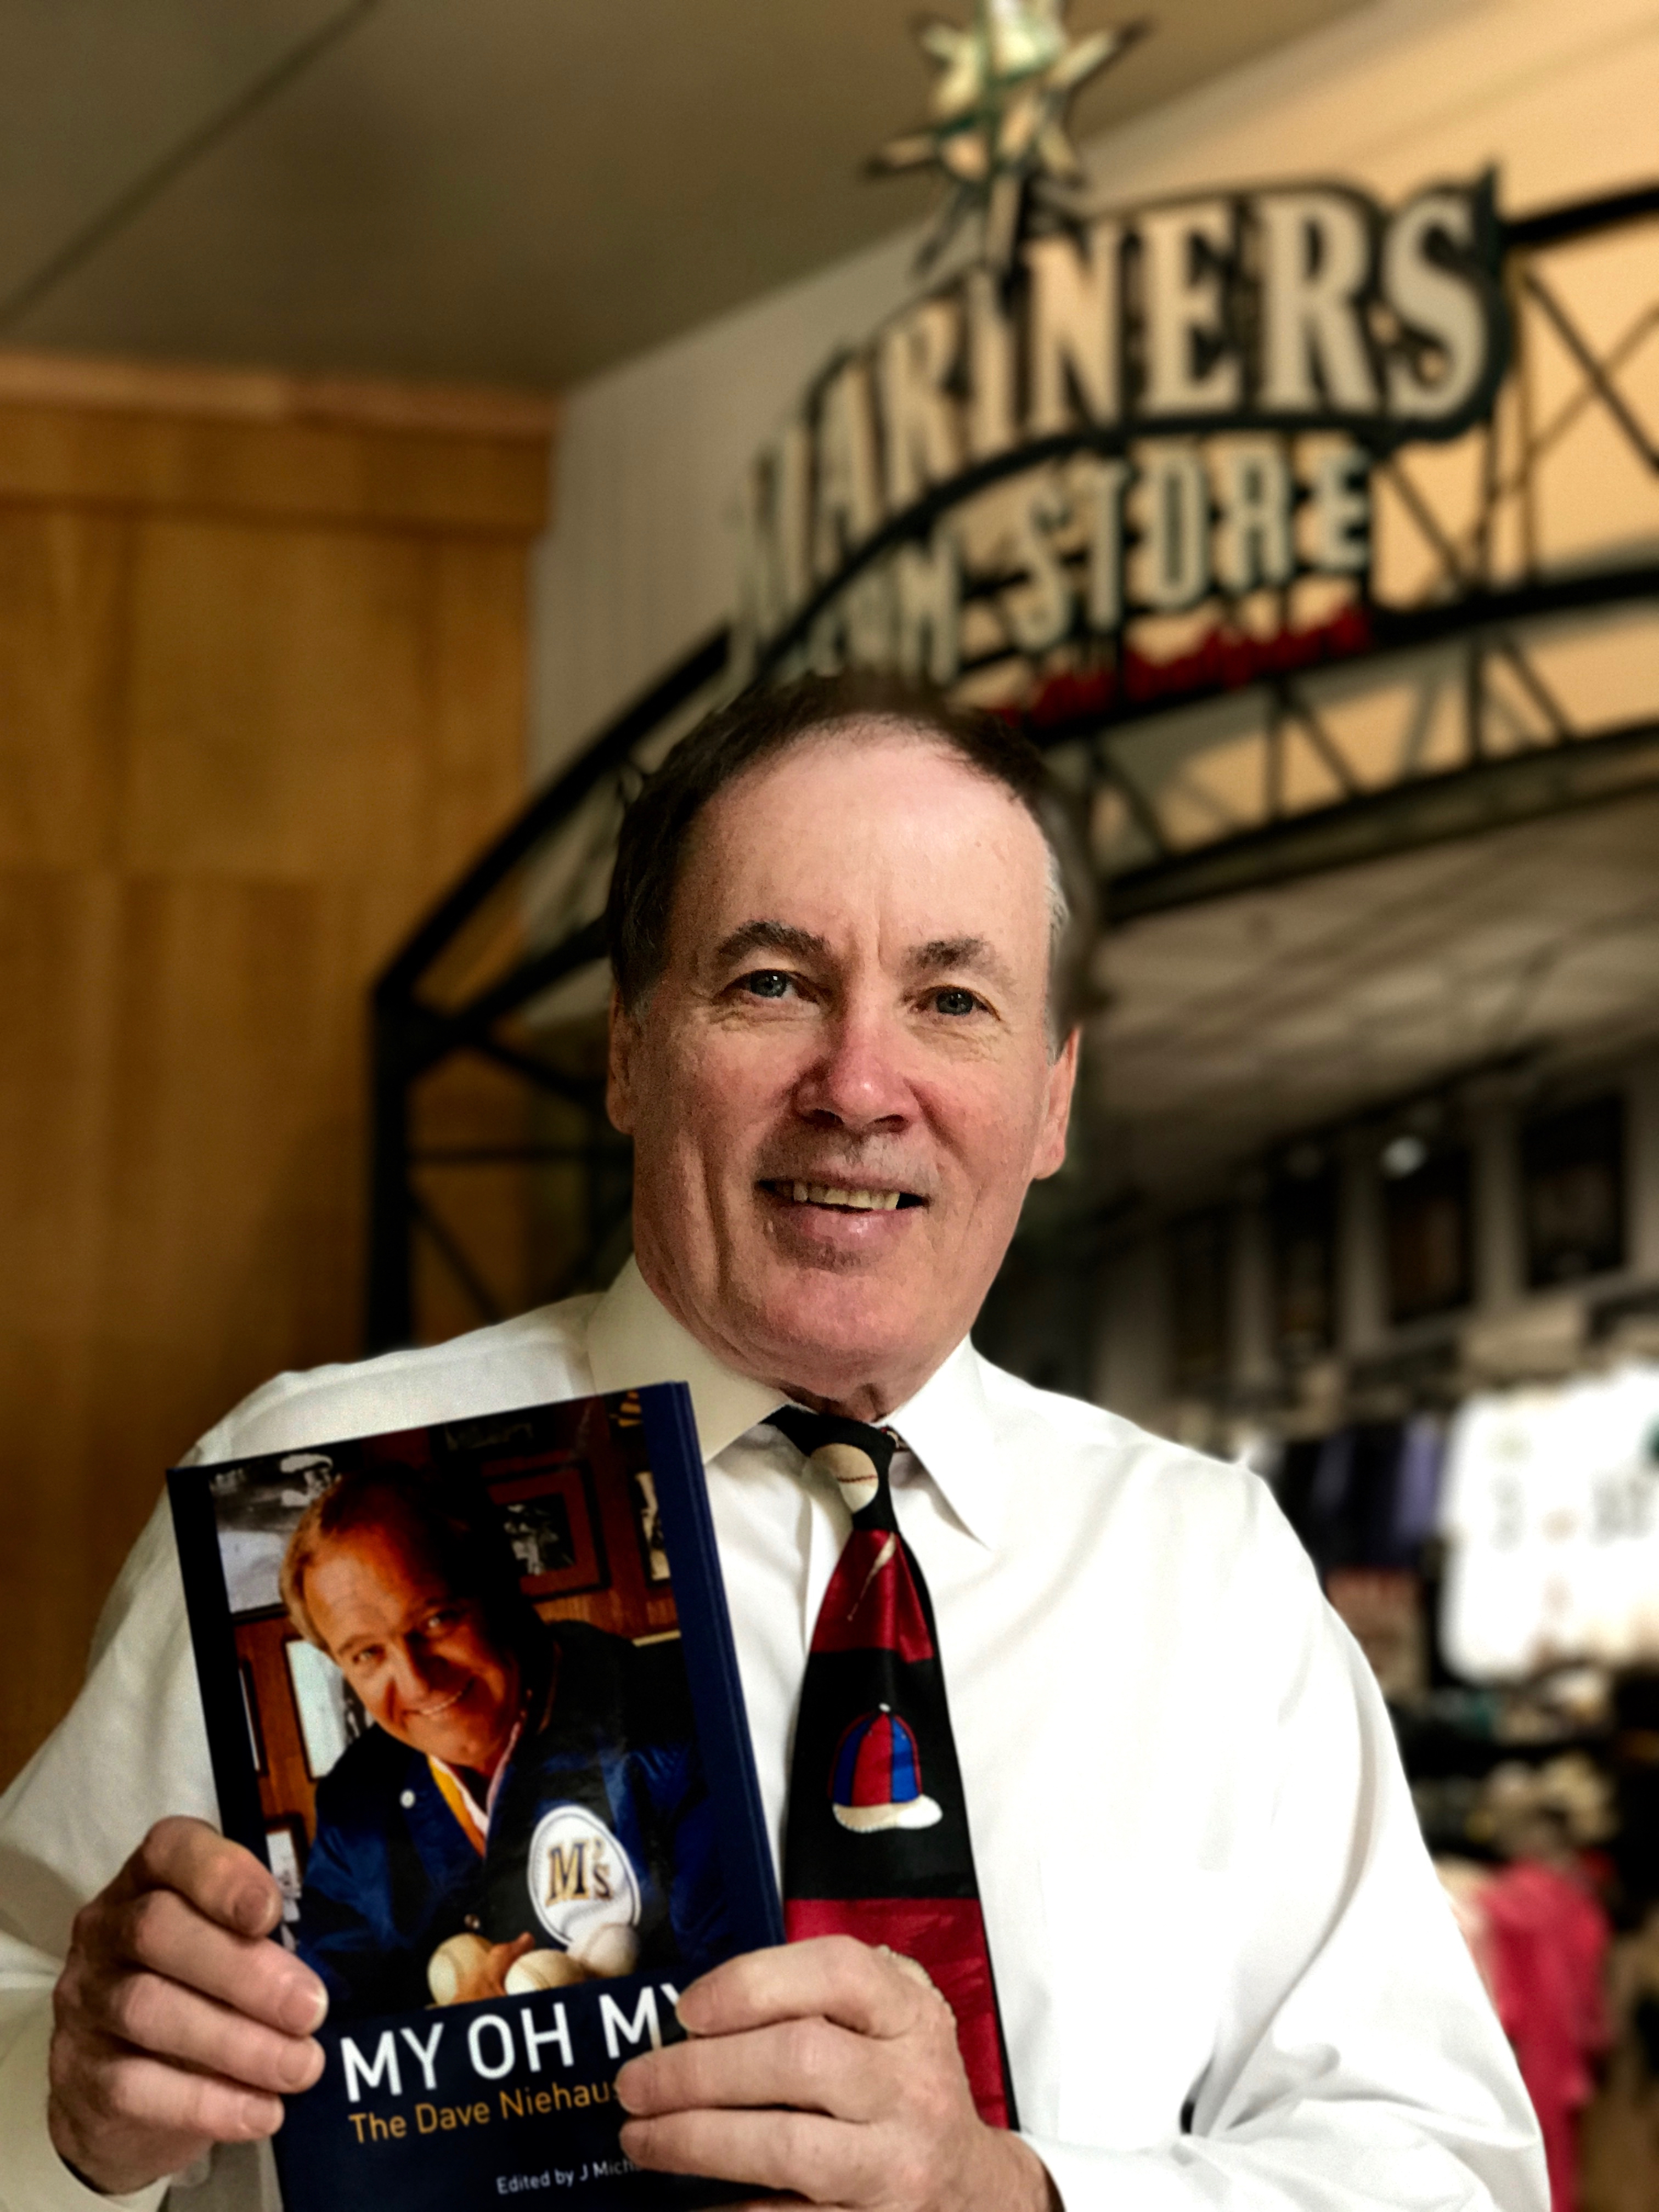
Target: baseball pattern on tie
876, 1842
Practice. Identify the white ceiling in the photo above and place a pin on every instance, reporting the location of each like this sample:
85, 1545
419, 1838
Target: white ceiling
1255, 1018
520, 191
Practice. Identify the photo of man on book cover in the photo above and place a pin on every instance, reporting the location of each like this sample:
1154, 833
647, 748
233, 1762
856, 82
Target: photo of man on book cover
499, 1795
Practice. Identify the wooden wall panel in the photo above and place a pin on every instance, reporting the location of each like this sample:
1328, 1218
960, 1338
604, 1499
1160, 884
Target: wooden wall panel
261, 697
299, 471
64, 585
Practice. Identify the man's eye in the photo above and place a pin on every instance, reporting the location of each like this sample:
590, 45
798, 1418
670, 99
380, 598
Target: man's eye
955, 1002
765, 983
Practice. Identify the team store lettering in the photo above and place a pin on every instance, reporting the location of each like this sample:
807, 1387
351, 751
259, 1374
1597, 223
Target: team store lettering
1155, 406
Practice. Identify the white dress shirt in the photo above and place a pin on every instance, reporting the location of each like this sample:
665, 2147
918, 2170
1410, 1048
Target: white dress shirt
1229, 1979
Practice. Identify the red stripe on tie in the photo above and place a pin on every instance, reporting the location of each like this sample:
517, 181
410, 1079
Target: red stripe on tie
872, 1604
872, 1765
945, 1935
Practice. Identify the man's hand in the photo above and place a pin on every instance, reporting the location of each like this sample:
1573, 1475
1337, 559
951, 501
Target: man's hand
858, 2049
178, 2024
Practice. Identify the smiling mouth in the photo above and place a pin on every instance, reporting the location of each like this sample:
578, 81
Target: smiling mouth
432, 1712
841, 1197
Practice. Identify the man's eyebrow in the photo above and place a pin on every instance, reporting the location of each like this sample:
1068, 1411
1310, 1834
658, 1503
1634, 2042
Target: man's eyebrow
769, 936
941, 953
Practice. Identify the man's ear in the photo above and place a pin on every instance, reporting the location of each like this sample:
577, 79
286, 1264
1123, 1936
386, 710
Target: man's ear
621, 1060
1050, 1154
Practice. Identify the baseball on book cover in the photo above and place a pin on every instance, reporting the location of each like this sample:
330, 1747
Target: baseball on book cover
470, 1692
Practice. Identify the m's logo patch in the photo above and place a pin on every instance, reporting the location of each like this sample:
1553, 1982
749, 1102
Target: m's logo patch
579, 1877
577, 1873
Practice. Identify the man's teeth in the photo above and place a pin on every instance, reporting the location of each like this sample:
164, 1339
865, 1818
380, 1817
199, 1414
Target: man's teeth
829, 1193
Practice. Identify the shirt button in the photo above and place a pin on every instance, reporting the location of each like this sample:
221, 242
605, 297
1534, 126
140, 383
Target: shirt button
407, 1800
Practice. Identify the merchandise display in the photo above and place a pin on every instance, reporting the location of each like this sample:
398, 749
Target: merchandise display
1533, 1918
1500, 1570
1551, 1509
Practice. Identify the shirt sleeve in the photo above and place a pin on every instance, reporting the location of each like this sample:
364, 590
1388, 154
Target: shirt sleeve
1358, 2065
137, 1727
34, 2179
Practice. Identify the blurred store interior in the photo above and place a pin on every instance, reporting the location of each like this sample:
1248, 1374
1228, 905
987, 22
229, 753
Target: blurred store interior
397, 403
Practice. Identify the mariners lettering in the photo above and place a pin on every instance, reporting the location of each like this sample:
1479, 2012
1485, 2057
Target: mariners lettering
1162, 403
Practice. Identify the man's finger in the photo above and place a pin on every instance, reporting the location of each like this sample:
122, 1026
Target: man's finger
834, 1976
161, 1931
220, 1878
160, 2017
130, 2090
808, 2064
817, 2159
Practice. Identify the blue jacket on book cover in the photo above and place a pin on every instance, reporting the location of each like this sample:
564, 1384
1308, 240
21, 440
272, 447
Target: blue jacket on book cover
395, 1870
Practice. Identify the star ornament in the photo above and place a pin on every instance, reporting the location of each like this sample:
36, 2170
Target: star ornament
998, 120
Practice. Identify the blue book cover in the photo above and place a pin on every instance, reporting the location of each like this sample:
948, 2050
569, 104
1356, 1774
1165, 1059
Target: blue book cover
470, 1692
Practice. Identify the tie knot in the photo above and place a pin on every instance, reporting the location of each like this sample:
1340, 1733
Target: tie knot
855, 1455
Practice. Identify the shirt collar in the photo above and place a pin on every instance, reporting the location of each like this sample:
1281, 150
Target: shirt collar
633, 1340
947, 1424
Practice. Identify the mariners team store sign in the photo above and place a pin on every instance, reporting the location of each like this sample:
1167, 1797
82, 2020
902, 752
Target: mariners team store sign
1155, 410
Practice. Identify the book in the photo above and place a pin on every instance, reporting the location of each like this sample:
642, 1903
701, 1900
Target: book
470, 1692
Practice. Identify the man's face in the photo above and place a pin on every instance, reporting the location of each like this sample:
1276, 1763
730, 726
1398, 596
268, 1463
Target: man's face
421, 1659
841, 1085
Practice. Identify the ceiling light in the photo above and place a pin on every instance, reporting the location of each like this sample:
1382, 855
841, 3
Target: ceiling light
1403, 1156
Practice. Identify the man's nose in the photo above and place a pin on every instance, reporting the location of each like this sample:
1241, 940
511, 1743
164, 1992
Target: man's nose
410, 1676
857, 1078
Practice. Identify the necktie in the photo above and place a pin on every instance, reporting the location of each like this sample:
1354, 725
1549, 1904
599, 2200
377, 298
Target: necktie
876, 1841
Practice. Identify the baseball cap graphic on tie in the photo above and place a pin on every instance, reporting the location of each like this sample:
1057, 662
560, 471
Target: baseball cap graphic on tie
876, 1841
877, 1779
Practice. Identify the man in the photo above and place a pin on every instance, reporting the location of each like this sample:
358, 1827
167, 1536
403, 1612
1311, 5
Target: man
1225, 1971
488, 1724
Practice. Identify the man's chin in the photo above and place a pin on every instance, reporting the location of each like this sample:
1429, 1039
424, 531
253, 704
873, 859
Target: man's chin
457, 1749
829, 1330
